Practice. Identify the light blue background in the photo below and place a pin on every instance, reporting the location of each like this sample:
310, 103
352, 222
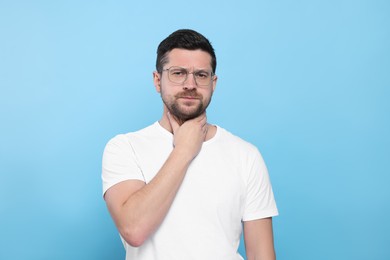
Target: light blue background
305, 81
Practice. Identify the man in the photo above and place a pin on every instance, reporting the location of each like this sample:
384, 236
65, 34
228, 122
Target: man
183, 188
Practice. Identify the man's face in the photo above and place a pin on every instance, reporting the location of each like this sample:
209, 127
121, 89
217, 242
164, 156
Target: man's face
189, 99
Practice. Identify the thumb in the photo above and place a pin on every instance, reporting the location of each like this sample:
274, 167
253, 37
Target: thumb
172, 122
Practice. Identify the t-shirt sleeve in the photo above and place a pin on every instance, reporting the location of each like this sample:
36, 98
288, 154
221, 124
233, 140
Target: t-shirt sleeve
119, 163
260, 201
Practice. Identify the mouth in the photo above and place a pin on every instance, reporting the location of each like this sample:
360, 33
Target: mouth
188, 97
188, 100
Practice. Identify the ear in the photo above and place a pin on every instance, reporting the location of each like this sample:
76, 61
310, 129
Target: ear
157, 81
215, 82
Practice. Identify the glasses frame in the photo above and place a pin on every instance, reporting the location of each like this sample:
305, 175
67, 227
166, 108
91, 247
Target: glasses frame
212, 75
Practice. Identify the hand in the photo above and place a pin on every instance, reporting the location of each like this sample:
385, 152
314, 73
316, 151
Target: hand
190, 136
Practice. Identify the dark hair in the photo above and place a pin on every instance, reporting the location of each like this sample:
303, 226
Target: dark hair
184, 39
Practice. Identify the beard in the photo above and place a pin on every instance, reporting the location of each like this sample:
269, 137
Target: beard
180, 111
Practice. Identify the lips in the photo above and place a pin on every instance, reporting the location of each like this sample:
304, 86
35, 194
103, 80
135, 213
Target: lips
189, 95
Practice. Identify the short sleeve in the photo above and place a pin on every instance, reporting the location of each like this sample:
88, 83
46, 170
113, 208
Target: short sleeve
260, 202
119, 163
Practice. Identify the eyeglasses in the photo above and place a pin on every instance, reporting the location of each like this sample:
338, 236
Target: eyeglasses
179, 75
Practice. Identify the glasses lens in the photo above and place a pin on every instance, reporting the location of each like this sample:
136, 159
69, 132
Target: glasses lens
179, 75
202, 78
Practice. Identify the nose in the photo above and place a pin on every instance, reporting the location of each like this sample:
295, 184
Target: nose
190, 82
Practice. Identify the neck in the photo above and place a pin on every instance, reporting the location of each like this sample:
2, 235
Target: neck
164, 122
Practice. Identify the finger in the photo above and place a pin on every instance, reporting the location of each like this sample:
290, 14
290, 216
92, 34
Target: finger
172, 122
205, 129
203, 120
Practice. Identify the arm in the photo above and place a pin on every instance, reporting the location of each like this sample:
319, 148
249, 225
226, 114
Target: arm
258, 237
138, 208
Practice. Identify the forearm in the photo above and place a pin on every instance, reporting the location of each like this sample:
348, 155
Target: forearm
146, 208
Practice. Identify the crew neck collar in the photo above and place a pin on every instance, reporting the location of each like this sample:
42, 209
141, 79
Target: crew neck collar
168, 134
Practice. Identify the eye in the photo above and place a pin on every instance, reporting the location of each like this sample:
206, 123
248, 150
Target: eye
178, 72
202, 74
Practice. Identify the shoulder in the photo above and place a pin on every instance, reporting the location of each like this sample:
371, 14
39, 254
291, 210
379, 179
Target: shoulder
235, 141
125, 139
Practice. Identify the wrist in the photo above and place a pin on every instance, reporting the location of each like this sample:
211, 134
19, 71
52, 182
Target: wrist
183, 154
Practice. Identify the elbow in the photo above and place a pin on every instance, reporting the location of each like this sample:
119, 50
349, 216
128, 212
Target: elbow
134, 236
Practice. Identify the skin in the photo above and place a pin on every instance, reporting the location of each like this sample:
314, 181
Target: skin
189, 99
259, 241
138, 208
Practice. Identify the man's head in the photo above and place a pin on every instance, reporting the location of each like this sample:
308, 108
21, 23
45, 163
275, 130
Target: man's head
184, 39
185, 75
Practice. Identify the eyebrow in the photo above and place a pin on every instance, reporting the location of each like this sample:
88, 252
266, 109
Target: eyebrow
195, 69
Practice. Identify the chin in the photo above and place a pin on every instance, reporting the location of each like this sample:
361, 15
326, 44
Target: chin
184, 116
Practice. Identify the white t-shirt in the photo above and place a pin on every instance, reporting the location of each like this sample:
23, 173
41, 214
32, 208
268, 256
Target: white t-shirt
225, 184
